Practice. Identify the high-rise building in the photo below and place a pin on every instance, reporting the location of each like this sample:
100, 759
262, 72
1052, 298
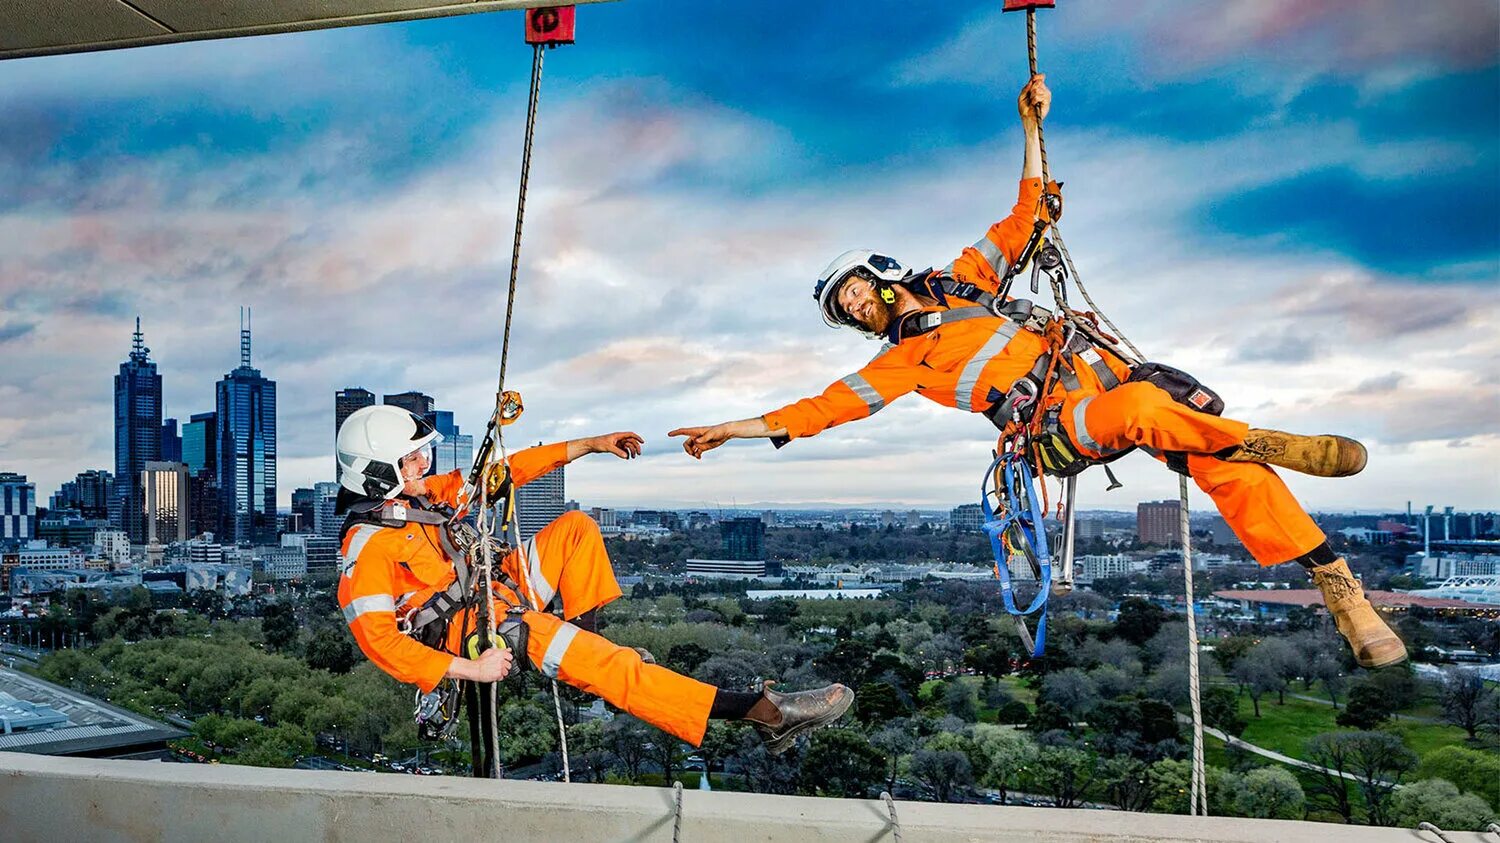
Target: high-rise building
321, 552
171, 441
326, 522
456, 450
303, 508
966, 518
540, 502
95, 487
744, 538
137, 435
168, 503
17, 507
412, 402
345, 402
1157, 522
199, 440
246, 453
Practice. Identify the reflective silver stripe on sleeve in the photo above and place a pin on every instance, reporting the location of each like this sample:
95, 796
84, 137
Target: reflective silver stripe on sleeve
362, 535
1081, 429
552, 661
541, 590
374, 603
964, 392
866, 393
985, 246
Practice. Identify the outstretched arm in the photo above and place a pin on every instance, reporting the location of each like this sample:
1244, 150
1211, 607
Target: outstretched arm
1033, 104
703, 439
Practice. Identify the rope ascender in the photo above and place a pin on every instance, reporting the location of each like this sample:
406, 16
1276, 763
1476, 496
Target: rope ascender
1015, 522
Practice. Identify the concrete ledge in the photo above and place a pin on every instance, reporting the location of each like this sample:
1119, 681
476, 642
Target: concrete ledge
46, 798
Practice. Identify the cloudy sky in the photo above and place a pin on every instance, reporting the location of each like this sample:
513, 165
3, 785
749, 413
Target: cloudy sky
1297, 202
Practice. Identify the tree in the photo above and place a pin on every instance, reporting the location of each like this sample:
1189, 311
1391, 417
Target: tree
525, 731
626, 738
941, 771
666, 751
720, 740
1005, 754
841, 762
1258, 674
1071, 690
1228, 651
1467, 702
330, 649
1270, 793
893, 741
1471, 770
1221, 710
1378, 760
988, 659
687, 657
1127, 783
586, 748
1284, 662
1138, 620
1368, 707
1330, 751
878, 702
1064, 773
278, 623
960, 700
1440, 803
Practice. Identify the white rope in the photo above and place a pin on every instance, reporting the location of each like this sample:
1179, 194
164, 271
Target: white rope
1425, 826
562, 732
1198, 794
890, 807
676, 812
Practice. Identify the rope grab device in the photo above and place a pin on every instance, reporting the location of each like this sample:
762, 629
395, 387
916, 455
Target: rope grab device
1014, 524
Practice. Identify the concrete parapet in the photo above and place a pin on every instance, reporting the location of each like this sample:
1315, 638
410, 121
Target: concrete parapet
44, 798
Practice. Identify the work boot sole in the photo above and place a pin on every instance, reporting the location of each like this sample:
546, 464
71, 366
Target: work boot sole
779, 742
1382, 654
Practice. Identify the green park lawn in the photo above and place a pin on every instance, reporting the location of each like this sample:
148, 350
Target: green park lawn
1287, 728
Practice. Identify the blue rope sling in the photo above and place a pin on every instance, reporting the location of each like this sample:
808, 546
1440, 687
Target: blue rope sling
1018, 524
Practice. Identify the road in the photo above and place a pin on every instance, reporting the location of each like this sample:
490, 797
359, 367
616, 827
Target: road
1274, 756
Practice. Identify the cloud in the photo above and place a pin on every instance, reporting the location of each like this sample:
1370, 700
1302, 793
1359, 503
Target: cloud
12, 330
1281, 346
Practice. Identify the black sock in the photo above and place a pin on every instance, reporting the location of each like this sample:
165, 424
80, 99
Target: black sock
1320, 555
588, 621
732, 705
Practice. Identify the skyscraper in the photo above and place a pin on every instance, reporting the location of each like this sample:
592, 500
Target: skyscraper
171, 441
168, 509
744, 538
137, 435
246, 451
17, 507
345, 402
540, 502
412, 402
326, 520
303, 507
1158, 522
456, 450
200, 442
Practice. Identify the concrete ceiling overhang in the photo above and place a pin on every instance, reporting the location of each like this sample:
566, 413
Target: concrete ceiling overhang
53, 27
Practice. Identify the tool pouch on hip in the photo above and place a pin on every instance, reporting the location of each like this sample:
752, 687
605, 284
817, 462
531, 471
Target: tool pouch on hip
1183, 387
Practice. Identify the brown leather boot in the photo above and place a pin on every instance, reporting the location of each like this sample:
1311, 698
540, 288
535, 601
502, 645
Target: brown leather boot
780, 718
1374, 644
1320, 456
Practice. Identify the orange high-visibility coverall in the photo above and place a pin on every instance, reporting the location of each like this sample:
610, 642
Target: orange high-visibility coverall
391, 571
965, 363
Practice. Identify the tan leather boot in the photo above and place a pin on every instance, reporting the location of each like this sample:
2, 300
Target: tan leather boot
1321, 456
1374, 644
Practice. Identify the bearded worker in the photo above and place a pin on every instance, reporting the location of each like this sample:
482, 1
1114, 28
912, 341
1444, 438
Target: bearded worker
953, 337
402, 596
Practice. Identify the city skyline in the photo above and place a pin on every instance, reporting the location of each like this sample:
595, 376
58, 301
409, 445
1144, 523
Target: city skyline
1239, 203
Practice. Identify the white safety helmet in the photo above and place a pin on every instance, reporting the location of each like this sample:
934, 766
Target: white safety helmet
371, 444
880, 270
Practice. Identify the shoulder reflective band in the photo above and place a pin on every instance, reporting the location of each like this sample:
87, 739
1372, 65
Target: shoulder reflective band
866, 392
357, 541
552, 25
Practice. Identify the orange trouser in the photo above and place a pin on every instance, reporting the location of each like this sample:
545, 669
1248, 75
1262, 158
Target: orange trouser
1254, 501
567, 560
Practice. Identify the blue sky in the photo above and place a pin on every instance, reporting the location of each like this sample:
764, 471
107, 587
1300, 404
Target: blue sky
1297, 202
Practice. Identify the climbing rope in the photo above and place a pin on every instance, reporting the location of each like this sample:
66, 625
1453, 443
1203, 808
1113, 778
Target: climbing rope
890, 807
676, 812
562, 732
1198, 795
1429, 827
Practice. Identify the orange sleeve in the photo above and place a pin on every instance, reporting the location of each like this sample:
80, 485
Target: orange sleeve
889, 376
444, 488
528, 465
983, 262
369, 606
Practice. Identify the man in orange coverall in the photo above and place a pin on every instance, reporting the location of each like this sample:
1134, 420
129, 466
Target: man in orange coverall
953, 339
399, 573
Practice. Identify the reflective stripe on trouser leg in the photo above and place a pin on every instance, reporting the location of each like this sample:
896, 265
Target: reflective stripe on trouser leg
1144, 414
669, 701
572, 563
1258, 506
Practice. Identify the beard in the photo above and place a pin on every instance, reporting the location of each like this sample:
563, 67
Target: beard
881, 314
